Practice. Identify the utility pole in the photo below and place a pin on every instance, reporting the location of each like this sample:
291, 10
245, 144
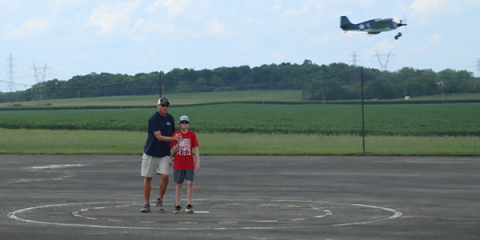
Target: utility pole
160, 84
363, 111
39, 92
354, 59
383, 59
11, 74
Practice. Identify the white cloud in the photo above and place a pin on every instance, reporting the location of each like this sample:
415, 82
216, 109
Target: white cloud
321, 41
214, 27
80, 56
59, 5
173, 7
155, 28
29, 28
161, 3
138, 24
436, 39
112, 18
449, 7
277, 56
382, 48
277, 6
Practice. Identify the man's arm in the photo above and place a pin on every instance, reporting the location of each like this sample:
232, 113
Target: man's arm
162, 138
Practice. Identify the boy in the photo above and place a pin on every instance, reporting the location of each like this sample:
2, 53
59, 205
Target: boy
183, 162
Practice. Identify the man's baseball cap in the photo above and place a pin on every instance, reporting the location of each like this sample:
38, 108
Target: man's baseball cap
163, 100
184, 118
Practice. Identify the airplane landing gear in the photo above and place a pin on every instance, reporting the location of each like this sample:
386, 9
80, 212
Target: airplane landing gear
398, 35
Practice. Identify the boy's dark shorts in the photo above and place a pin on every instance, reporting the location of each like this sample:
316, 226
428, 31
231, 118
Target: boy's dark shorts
179, 175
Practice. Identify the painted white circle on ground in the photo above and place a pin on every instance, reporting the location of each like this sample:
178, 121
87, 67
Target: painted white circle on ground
217, 214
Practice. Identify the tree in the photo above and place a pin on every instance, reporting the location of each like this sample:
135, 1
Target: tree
380, 89
419, 86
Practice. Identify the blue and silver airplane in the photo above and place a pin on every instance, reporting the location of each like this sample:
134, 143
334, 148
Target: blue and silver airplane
374, 26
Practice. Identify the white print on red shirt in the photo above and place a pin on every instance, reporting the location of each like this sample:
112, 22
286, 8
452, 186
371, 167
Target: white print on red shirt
185, 147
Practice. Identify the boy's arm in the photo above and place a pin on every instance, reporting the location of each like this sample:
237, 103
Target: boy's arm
174, 152
197, 156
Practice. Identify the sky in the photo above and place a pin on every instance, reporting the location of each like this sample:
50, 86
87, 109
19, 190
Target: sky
67, 38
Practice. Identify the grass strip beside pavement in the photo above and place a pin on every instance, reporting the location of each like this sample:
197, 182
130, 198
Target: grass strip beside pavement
28, 141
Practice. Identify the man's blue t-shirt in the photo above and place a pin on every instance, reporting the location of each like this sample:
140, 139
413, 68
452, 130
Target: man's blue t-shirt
166, 126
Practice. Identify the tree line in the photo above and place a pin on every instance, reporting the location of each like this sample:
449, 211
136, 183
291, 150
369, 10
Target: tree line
335, 81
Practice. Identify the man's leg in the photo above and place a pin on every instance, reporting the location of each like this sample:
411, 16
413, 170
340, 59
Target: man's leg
163, 186
147, 188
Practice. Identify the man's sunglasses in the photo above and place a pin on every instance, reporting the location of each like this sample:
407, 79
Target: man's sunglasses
165, 105
184, 122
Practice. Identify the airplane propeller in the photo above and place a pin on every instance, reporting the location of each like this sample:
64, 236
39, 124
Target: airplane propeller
400, 24
403, 24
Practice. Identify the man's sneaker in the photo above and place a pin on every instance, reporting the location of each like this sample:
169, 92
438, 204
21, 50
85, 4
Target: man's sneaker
189, 208
160, 205
146, 208
177, 209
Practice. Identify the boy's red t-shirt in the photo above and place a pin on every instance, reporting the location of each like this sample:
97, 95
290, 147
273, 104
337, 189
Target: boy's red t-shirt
184, 157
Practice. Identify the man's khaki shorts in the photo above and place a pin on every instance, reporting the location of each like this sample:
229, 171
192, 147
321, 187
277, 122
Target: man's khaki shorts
152, 165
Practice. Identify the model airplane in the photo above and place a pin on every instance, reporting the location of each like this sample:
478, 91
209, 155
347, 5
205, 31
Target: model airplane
374, 26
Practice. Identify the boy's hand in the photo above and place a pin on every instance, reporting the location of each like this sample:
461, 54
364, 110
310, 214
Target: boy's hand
197, 167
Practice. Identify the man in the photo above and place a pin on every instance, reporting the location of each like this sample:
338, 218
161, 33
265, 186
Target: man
156, 153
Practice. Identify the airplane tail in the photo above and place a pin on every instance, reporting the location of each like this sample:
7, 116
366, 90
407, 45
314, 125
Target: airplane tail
344, 22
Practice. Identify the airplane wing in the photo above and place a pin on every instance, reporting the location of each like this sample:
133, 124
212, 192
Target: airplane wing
383, 23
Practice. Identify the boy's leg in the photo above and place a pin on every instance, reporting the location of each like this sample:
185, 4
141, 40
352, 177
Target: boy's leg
178, 177
178, 193
190, 191
190, 176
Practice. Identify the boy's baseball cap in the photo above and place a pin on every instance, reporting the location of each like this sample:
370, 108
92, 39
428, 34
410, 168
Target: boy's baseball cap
184, 118
163, 100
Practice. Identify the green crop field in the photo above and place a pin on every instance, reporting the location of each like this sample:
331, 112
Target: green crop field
227, 126
325, 119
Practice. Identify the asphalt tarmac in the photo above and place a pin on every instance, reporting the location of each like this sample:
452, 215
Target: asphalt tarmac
237, 197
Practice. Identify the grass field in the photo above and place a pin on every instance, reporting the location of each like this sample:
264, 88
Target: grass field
22, 141
178, 99
246, 128
201, 98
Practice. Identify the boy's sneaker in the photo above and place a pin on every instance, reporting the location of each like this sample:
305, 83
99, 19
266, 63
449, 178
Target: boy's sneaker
146, 208
189, 208
160, 205
177, 209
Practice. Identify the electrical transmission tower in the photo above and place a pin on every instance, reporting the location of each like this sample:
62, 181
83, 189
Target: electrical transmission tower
354, 59
383, 59
39, 92
11, 74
